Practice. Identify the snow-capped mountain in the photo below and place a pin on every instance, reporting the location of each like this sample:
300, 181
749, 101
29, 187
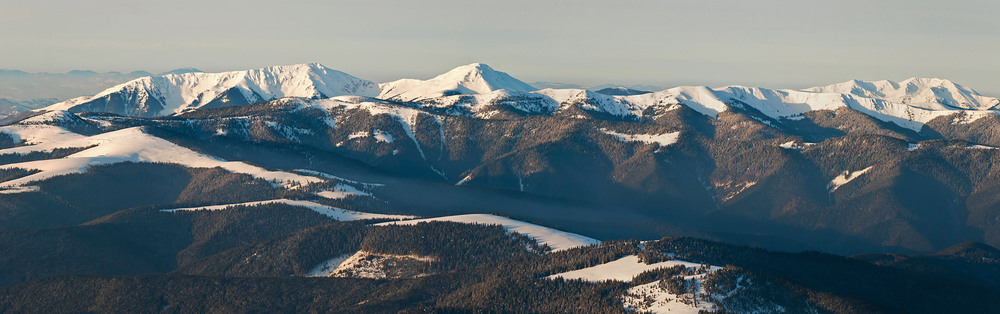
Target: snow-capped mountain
481, 91
927, 93
476, 78
909, 108
176, 93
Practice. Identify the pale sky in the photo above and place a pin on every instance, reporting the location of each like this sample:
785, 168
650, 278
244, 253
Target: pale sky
767, 43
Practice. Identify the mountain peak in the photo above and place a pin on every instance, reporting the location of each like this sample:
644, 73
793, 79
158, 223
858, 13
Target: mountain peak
475, 65
475, 78
472, 68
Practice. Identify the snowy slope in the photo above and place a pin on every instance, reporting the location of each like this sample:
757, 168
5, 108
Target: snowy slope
32, 134
175, 93
664, 139
845, 177
329, 211
476, 78
556, 239
127, 145
652, 297
622, 269
326, 268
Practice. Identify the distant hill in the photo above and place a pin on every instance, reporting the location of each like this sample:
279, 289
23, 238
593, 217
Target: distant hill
13, 106
621, 91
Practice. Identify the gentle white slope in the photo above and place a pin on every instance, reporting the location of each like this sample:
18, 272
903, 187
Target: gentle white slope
556, 239
622, 269
40, 133
126, 145
329, 211
476, 78
187, 91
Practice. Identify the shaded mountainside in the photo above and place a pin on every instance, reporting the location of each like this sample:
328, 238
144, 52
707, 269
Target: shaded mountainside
972, 262
471, 268
839, 181
175, 259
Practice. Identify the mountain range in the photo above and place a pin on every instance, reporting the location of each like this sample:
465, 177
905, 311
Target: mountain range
910, 103
303, 170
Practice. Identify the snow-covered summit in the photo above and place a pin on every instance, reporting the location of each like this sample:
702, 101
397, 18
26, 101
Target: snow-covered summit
175, 93
926, 93
476, 78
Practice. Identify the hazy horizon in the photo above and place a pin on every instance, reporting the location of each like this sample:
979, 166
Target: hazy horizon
775, 44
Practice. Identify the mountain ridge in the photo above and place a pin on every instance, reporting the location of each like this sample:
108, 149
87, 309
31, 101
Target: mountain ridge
174, 93
475, 78
910, 103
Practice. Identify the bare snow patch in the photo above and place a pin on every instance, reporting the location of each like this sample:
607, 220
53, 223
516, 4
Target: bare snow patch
341, 191
464, 180
382, 136
845, 177
329, 211
622, 269
379, 135
326, 268
20, 189
556, 239
794, 145
380, 266
330, 176
980, 147
664, 139
358, 134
